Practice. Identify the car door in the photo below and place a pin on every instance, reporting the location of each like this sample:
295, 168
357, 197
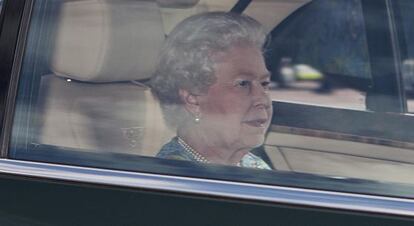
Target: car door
72, 154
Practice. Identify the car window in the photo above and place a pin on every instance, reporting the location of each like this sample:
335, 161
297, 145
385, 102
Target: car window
91, 93
325, 62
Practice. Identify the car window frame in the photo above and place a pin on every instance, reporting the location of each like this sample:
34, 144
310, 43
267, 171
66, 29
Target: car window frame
14, 25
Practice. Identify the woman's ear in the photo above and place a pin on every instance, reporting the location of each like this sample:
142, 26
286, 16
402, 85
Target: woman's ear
191, 101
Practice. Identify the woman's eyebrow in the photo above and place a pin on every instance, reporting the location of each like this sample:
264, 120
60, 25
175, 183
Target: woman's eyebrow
265, 76
250, 75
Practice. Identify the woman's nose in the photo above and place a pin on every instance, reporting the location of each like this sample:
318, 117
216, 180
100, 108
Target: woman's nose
260, 94
259, 90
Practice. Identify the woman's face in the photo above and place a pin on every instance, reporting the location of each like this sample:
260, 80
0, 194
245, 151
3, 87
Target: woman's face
236, 111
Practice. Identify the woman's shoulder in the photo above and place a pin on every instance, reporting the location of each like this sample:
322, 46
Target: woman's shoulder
173, 150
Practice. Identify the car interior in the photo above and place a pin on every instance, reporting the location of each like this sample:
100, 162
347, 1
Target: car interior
93, 95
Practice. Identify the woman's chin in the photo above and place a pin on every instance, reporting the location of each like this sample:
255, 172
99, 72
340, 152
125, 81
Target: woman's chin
253, 140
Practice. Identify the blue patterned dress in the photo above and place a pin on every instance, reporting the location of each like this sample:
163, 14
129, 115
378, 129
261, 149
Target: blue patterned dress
174, 150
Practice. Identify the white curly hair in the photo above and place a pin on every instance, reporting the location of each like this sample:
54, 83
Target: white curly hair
186, 62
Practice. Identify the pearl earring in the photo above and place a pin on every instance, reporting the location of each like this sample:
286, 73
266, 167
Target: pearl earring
197, 118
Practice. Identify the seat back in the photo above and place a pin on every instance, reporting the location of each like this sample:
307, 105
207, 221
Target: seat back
96, 97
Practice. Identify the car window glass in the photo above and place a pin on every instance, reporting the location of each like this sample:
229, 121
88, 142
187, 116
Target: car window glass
86, 96
324, 62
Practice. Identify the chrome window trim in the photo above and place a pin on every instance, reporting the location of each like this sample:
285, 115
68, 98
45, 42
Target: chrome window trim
217, 188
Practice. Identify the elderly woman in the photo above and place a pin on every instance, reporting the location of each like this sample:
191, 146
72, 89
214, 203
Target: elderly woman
212, 83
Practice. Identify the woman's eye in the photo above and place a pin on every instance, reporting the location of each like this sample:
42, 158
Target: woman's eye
243, 83
266, 84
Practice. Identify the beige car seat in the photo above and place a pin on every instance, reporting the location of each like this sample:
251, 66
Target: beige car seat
96, 99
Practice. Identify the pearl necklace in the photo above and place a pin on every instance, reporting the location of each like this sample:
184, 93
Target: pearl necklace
197, 156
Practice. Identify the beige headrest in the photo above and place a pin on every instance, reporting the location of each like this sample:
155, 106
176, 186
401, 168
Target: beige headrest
106, 41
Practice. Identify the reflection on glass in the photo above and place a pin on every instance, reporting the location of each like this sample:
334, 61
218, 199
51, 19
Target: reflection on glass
407, 24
